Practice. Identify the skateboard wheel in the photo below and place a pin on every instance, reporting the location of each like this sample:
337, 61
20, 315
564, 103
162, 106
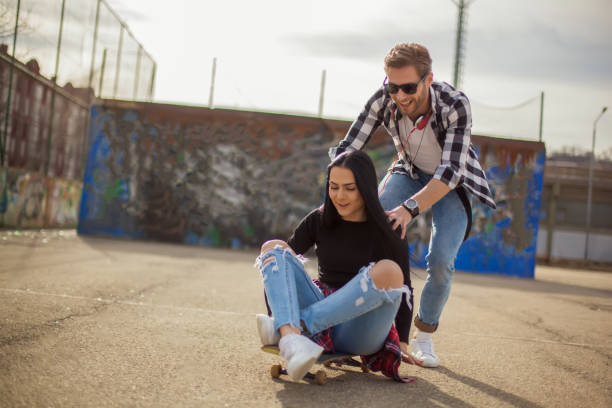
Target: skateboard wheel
320, 377
327, 364
275, 370
364, 368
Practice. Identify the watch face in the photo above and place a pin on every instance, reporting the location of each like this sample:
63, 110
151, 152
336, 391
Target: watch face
412, 204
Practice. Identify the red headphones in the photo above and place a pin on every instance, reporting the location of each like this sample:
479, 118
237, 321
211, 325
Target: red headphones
421, 122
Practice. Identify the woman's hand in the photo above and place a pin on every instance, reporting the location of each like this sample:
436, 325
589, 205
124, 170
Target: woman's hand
407, 357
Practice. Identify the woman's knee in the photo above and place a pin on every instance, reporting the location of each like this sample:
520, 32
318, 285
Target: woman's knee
271, 244
387, 274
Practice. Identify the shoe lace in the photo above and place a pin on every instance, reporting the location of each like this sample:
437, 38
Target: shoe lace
426, 346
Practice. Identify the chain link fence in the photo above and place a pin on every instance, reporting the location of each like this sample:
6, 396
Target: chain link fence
56, 56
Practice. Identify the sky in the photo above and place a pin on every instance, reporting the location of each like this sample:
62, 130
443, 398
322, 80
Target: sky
270, 56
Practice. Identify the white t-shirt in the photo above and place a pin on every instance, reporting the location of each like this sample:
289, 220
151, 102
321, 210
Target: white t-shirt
422, 147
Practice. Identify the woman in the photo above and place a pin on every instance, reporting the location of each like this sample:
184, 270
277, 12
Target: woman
362, 263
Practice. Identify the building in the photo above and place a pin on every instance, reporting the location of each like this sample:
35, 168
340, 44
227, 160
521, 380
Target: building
562, 237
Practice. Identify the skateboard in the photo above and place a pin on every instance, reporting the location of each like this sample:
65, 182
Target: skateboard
326, 359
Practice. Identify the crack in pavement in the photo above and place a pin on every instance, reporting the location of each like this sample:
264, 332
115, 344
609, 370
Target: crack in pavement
36, 331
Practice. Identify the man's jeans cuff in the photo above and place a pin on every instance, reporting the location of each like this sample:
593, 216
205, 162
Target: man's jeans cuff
424, 327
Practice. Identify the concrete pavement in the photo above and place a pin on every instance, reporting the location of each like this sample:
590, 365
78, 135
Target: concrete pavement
92, 322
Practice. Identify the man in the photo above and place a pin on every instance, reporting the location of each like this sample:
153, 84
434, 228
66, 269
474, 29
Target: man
430, 124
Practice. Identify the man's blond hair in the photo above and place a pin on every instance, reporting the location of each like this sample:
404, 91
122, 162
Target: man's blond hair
405, 54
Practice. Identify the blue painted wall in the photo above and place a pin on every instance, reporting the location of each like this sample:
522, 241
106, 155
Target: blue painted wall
503, 241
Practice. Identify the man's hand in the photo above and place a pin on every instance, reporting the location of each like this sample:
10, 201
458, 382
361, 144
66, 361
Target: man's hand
407, 357
399, 216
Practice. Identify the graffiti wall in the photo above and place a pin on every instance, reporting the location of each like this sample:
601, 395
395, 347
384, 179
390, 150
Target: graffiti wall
63, 198
505, 240
233, 178
30, 200
502, 241
25, 197
199, 176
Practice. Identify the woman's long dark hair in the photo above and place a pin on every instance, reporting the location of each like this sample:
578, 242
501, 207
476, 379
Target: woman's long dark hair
365, 177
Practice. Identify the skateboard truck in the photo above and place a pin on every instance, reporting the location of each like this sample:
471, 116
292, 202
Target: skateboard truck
327, 359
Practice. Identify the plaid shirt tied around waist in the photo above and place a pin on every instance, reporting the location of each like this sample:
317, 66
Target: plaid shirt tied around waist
387, 360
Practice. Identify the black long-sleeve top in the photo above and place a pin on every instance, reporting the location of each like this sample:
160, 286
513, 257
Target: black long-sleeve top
343, 250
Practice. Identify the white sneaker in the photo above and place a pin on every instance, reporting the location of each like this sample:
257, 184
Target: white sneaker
300, 353
265, 328
423, 349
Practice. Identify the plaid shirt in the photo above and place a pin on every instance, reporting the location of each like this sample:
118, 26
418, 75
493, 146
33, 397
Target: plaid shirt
452, 124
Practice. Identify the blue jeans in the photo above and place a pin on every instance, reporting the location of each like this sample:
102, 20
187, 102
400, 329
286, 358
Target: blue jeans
360, 313
447, 232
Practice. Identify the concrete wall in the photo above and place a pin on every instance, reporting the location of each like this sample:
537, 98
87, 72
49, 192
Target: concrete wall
233, 178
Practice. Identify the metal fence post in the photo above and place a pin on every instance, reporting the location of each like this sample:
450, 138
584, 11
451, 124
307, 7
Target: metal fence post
118, 68
53, 92
3, 144
102, 73
212, 83
90, 90
541, 125
93, 50
322, 93
137, 75
152, 85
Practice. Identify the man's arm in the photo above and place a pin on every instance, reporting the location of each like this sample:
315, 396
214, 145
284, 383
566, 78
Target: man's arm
363, 127
426, 197
455, 151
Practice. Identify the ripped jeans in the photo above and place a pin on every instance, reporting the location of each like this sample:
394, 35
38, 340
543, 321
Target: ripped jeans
360, 313
449, 221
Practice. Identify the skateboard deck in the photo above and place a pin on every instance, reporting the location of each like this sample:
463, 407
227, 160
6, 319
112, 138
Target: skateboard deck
326, 359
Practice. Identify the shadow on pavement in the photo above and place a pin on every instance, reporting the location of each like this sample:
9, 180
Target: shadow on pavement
501, 395
529, 285
356, 389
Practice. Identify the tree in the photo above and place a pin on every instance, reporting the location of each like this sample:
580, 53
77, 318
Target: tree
7, 20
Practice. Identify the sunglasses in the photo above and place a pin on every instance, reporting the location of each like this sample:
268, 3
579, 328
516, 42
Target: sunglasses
408, 89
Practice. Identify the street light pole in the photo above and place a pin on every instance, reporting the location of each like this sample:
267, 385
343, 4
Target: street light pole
459, 40
590, 193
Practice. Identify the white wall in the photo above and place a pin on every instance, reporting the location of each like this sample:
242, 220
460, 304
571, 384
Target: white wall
569, 245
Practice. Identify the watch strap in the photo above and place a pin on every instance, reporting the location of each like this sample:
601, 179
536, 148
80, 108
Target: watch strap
413, 211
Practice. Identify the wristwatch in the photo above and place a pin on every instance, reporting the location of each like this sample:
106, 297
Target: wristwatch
412, 206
